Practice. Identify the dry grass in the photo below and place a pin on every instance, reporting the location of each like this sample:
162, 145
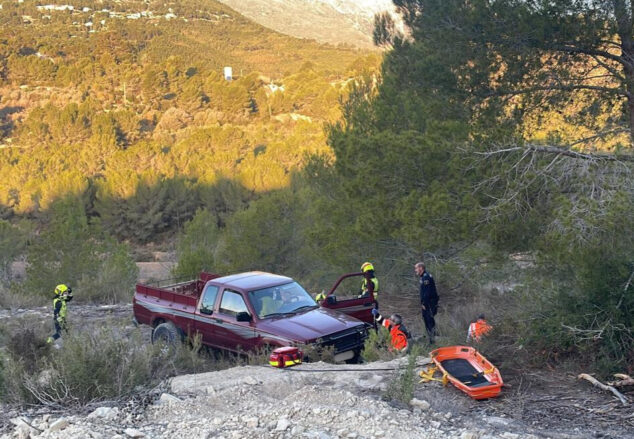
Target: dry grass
89, 367
14, 297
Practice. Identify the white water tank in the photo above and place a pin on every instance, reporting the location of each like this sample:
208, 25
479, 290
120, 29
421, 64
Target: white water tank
228, 73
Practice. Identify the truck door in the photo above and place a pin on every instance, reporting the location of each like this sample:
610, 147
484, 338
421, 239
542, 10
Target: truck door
206, 322
343, 297
233, 334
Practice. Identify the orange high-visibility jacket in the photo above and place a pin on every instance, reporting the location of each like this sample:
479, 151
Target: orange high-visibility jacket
398, 338
478, 329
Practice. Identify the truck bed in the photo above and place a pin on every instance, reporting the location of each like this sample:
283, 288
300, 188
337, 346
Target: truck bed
181, 296
184, 293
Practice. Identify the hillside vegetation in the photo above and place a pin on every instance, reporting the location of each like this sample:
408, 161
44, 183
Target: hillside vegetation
132, 95
130, 135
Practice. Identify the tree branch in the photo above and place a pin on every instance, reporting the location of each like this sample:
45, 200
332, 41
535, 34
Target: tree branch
591, 52
561, 151
596, 383
616, 91
601, 135
625, 288
609, 68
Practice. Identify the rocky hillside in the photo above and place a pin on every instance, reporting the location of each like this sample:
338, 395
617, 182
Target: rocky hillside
331, 401
328, 21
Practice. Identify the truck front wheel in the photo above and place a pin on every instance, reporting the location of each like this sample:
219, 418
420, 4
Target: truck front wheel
166, 334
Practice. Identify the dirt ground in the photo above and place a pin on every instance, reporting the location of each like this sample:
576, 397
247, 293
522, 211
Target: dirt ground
547, 403
541, 403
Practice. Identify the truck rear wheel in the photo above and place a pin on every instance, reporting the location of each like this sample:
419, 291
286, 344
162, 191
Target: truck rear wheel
165, 334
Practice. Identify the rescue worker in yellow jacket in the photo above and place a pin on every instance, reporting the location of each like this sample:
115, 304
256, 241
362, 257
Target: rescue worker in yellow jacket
63, 295
370, 284
478, 329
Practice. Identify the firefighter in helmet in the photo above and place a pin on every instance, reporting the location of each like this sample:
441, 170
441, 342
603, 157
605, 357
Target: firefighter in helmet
370, 283
63, 295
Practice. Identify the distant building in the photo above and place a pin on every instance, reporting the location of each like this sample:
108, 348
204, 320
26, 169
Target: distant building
55, 8
228, 73
275, 88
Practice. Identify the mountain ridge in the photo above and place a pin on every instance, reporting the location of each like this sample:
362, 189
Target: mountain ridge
327, 21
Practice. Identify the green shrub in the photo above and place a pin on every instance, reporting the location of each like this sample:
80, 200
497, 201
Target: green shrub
314, 353
401, 388
196, 245
376, 345
114, 276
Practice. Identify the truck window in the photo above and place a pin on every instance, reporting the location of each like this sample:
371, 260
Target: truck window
349, 288
232, 303
209, 298
286, 298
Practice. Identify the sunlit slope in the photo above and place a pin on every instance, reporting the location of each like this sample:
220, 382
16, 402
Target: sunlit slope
134, 94
344, 22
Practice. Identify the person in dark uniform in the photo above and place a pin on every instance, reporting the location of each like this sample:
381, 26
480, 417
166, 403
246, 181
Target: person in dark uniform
428, 299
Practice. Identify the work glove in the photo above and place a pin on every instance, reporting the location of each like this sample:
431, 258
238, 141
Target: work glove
375, 312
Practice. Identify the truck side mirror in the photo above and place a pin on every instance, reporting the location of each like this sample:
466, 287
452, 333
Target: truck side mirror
243, 317
331, 300
207, 311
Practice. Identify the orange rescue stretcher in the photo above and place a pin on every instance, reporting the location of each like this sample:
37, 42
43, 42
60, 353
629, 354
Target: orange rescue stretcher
467, 370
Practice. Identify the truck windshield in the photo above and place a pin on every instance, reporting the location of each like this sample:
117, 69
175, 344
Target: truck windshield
281, 299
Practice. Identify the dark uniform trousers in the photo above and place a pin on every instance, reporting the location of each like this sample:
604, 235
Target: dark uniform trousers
429, 298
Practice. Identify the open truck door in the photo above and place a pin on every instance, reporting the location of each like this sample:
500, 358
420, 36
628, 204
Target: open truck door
343, 297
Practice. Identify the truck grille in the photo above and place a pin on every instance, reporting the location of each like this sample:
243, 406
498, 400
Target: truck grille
346, 340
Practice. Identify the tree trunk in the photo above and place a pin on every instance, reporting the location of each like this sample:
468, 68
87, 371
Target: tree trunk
624, 18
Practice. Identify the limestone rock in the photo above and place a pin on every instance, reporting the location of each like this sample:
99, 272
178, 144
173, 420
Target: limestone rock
58, 425
166, 398
419, 403
251, 422
282, 424
133, 433
107, 413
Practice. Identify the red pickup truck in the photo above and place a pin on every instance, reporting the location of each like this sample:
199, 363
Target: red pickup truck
246, 311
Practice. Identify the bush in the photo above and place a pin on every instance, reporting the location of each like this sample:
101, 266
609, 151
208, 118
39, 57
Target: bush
196, 245
89, 367
30, 347
376, 345
15, 295
401, 388
114, 277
